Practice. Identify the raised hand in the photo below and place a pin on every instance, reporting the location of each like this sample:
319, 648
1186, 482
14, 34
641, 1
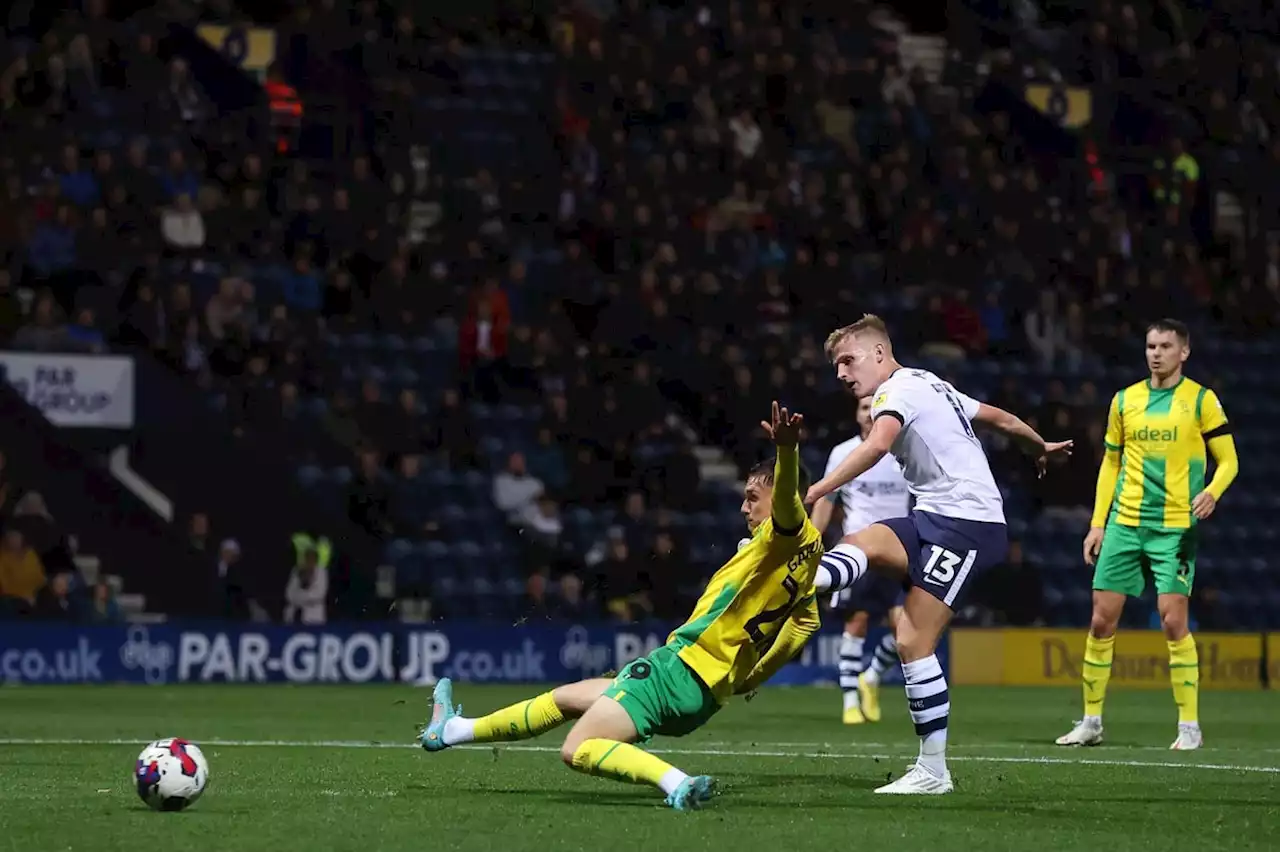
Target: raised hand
785, 428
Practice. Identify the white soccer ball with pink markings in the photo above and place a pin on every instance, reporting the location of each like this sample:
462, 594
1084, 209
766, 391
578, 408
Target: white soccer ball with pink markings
171, 774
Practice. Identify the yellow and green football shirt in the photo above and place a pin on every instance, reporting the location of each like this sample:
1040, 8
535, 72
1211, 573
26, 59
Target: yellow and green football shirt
750, 600
1161, 435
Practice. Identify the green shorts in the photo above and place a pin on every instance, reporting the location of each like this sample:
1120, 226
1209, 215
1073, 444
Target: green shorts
1129, 553
662, 695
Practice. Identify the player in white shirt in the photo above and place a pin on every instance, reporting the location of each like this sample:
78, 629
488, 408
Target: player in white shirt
955, 530
878, 494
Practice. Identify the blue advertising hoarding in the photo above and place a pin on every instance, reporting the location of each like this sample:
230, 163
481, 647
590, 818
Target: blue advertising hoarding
34, 653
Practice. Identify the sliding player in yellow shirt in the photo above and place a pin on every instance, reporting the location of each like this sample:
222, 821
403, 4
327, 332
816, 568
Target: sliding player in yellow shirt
1150, 496
755, 615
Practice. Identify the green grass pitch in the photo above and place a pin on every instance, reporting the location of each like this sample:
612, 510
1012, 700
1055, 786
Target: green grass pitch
334, 768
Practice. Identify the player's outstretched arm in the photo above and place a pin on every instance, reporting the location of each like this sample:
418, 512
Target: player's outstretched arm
1029, 439
787, 510
884, 431
823, 514
803, 622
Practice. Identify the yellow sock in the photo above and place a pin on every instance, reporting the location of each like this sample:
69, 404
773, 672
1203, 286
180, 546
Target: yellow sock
1184, 675
621, 762
520, 721
1097, 671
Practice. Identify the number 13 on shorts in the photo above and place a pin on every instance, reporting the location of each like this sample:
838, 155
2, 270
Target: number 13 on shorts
947, 570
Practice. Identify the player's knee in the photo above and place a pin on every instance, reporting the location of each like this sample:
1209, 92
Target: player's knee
569, 749
1102, 625
1174, 624
856, 625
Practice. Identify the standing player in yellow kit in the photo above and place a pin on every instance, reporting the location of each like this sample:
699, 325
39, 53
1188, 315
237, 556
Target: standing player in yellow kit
754, 616
1151, 494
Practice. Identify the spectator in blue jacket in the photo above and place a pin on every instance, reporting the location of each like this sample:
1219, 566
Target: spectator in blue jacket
77, 183
302, 290
53, 244
179, 179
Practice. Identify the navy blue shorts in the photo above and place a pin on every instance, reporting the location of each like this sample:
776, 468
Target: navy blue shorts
945, 554
873, 594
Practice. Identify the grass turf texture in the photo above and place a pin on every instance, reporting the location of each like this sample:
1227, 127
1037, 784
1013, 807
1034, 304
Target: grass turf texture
306, 768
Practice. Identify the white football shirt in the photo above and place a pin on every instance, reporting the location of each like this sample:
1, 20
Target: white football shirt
941, 457
878, 494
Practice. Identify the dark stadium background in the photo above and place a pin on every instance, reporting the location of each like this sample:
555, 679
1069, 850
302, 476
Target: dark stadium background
426, 244
273, 426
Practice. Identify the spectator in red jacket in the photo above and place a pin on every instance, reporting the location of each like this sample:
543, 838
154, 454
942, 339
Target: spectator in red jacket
964, 324
482, 340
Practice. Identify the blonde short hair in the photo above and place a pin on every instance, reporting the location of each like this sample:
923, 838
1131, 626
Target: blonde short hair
870, 324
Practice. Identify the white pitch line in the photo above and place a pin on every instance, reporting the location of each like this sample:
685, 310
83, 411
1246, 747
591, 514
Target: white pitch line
698, 752
1024, 746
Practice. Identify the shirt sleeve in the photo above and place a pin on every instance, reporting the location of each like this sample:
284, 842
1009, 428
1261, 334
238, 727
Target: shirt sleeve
894, 401
1212, 417
1114, 438
803, 622
968, 404
788, 511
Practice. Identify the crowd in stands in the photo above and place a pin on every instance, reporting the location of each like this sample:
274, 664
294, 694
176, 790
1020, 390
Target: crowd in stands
734, 178
38, 573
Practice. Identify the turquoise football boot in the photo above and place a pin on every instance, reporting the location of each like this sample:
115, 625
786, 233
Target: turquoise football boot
442, 710
693, 793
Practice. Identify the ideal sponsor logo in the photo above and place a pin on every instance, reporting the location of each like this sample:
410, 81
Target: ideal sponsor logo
1150, 434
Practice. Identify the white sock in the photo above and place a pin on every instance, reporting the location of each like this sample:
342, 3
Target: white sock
851, 700
1094, 721
459, 729
850, 666
671, 780
886, 655
841, 567
872, 676
930, 705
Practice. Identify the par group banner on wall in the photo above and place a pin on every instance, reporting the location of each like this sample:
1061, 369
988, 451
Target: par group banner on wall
1031, 657
477, 652
74, 390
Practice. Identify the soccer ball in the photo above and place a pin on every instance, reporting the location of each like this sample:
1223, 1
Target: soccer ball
171, 774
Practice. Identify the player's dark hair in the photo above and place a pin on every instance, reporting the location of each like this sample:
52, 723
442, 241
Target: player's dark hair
1178, 327
762, 472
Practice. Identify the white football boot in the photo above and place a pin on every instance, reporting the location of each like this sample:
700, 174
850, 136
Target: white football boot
1087, 732
919, 781
1189, 738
